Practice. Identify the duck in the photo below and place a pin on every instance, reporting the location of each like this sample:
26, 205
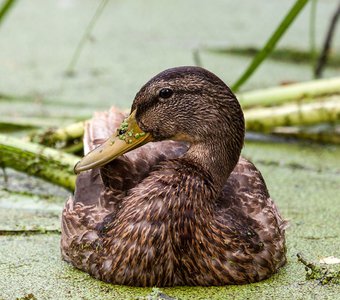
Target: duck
163, 197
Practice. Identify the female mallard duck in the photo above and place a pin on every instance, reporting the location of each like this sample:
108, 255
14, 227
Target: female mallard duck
188, 211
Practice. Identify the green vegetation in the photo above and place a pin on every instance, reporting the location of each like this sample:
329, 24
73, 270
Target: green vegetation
283, 55
35, 160
271, 43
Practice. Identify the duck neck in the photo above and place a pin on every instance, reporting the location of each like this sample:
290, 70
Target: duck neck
217, 157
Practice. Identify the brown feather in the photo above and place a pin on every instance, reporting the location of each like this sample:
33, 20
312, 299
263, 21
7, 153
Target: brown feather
165, 214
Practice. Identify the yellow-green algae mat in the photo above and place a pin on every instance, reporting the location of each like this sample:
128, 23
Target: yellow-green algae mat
303, 180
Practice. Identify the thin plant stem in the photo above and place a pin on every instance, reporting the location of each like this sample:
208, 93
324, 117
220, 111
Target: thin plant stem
271, 43
312, 44
5, 9
327, 44
197, 57
85, 37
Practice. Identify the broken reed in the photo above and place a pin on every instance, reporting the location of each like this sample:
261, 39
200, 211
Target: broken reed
36, 160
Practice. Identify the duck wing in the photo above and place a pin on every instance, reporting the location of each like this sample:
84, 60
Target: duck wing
246, 204
247, 190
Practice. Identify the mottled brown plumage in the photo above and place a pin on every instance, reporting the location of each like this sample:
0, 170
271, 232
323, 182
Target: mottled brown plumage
184, 210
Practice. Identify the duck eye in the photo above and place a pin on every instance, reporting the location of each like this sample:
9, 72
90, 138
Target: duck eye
165, 93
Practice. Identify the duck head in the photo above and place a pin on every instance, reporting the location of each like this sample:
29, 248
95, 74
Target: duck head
187, 104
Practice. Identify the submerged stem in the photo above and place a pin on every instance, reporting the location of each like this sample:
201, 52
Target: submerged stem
46, 163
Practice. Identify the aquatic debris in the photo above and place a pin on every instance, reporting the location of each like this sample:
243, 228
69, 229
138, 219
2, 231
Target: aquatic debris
324, 274
128, 136
330, 260
27, 297
157, 294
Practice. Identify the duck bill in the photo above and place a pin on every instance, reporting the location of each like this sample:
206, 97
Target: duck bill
128, 137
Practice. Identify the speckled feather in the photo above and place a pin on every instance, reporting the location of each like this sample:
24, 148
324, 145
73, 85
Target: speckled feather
153, 217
